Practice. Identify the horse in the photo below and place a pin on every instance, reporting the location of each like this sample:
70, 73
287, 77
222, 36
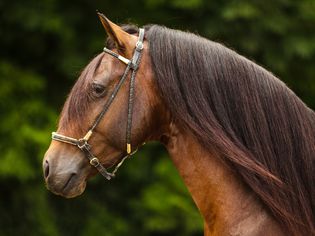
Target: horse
242, 141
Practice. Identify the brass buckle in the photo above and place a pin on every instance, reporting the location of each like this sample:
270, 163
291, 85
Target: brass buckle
82, 143
94, 162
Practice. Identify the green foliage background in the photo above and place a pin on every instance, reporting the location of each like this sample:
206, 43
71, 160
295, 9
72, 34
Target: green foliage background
43, 47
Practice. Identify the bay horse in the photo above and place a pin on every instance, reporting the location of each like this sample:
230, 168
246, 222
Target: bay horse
242, 141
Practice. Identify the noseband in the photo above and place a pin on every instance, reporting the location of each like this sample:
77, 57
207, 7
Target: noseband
82, 143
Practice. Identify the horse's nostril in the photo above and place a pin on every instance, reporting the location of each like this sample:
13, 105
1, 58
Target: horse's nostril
46, 169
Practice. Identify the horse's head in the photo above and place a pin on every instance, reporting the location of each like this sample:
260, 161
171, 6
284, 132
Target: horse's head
66, 166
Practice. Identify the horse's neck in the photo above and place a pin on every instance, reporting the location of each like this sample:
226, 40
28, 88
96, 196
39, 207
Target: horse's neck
227, 206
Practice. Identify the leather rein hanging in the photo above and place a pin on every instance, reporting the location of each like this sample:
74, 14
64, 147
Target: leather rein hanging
82, 143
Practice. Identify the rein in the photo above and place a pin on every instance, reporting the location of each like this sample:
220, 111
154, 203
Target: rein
82, 143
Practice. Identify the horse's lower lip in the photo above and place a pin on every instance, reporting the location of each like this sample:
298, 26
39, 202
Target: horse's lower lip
73, 186
69, 184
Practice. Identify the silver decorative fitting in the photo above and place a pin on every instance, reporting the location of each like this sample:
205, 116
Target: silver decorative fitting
139, 46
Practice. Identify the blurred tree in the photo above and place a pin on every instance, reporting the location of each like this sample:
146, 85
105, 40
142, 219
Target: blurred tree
44, 46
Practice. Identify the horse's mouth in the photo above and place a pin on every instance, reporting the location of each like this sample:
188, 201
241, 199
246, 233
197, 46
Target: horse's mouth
73, 187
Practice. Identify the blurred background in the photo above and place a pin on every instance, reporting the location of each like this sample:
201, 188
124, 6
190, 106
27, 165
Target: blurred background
43, 47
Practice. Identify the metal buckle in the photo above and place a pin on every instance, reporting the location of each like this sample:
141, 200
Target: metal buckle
94, 162
139, 46
83, 144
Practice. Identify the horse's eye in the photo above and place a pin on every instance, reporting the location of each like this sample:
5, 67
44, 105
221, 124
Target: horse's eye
98, 89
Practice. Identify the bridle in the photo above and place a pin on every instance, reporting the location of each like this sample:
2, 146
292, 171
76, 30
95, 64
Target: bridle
82, 143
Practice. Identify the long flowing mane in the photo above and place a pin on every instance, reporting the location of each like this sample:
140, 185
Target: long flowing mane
258, 125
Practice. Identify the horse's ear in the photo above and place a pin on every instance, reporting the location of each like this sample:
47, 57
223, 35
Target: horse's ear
125, 42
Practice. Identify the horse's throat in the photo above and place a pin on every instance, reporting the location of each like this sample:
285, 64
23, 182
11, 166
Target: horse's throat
227, 206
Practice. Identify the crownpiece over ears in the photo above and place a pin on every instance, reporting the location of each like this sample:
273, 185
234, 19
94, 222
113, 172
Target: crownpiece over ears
125, 42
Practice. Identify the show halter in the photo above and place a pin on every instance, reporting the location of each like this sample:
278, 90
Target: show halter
82, 143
